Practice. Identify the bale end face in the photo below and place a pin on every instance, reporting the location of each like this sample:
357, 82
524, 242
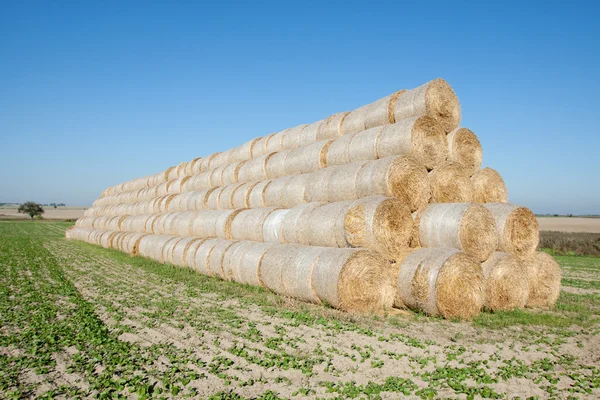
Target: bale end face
465, 149
408, 181
506, 283
442, 104
544, 276
478, 235
450, 183
489, 187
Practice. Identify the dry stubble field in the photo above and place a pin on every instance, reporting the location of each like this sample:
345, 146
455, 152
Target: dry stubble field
81, 321
10, 212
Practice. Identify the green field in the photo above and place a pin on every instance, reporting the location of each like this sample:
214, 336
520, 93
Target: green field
81, 321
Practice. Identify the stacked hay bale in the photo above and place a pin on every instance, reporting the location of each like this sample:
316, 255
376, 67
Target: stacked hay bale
385, 205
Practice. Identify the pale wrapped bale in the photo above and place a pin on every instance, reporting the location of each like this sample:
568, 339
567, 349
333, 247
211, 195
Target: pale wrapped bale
354, 280
248, 269
254, 170
273, 225
149, 223
199, 182
220, 160
307, 159
151, 246
225, 221
506, 284
275, 164
232, 260
274, 192
198, 200
203, 164
190, 254
372, 115
169, 247
177, 185
260, 147
216, 176
275, 142
231, 172
214, 197
256, 199
337, 153
181, 224
200, 263
465, 149
489, 187
400, 177
225, 201
290, 230
241, 196
435, 99
163, 225
180, 169
464, 226
309, 134
243, 152
363, 145
441, 281
331, 127
215, 260
130, 243
297, 277
324, 226
163, 189
292, 137
204, 223
450, 183
341, 183
171, 173
544, 275
189, 168
274, 261
163, 205
294, 190
517, 228
179, 252
85, 222
175, 204
248, 224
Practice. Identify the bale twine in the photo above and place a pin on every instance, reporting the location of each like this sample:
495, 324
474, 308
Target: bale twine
337, 153
248, 224
306, 159
435, 99
274, 192
441, 281
232, 258
256, 199
215, 259
489, 187
275, 142
400, 177
464, 226
254, 170
190, 253
273, 225
260, 147
353, 280
248, 269
241, 196
294, 190
544, 275
505, 281
292, 221
450, 183
465, 149
379, 223
331, 126
516, 227
200, 263
213, 199
274, 261
275, 164
226, 197
292, 137
150, 246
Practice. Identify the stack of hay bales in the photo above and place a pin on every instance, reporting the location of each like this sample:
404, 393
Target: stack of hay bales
383, 206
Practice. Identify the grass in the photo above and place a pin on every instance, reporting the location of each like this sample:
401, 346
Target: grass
78, 320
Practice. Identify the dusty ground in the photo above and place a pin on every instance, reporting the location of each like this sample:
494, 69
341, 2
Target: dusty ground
49, 213
566, 224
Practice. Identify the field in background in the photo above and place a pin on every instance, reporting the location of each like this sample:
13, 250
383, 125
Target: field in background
79, 320
10, 212
569, 224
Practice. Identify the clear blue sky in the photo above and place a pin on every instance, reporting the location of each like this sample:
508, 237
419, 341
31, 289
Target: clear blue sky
96, 93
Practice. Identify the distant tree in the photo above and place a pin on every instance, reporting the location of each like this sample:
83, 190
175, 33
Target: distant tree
53, 205
31, 208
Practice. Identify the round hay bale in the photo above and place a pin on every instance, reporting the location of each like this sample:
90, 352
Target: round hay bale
294, 190
190, 253
292, 137
243, 152
464, 226
306, 159
231, 172
441, 281
180, 169
274, 192
273, 225
204, 223
190, 168
275, 142
85, 222
465, 149
517, 228
309, 134
324, 225
170, 173
226, 196
260, 147
150, 246
134, 243
274, 261
199, 182
400, 177
241, 196
275, 164
450, 183
198, 199
248, 269
382, 224
181, 224
489, 187
337, 153
254, 170
175, 203
353, 280
292, 221
213, 199
168, 248
220, 160
248, 224
130, 242
256, 199
297, 277
215, 260
225, 221
149, 223
200, 263
544, 275
163, 225
420, 137
216, 176
331, 126
341, 184
506, 285
233, 258
163, 205
372, 115
363, 145
177, 185
435, 99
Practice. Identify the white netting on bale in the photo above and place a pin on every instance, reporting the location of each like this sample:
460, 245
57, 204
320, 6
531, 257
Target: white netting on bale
248, 224
517, 228
306, 159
